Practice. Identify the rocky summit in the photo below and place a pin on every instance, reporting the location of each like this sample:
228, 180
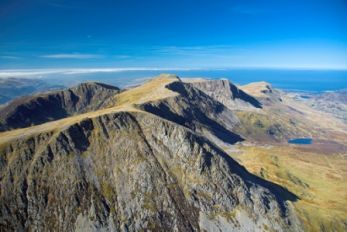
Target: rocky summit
150, 158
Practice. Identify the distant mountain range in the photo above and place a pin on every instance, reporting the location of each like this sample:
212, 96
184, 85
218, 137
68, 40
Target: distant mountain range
164, 156
11, 88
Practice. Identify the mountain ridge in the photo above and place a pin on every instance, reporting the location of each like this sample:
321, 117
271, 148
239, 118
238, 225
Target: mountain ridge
81, 141
53, 105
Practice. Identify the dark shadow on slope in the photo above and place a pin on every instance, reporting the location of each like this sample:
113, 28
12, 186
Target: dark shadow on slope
106, 86
23, 112
238, 93
218, 130
54, 105
193, 113
193, 119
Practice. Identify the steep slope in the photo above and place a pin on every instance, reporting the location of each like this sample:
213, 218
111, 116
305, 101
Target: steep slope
197, 111
131, 171
227, 93
37, 109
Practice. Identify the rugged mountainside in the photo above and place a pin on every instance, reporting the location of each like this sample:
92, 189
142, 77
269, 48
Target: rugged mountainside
41, 108
156, 157
227, 93
130, 172
145, 163
197, 111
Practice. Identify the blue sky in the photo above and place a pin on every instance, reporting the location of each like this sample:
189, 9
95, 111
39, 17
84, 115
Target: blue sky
310, 34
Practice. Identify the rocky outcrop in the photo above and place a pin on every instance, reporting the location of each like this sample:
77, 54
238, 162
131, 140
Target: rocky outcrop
133, 172
228, 94
197, 111
37, 109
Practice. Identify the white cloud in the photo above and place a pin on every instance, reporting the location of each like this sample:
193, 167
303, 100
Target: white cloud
71, 71
71, 56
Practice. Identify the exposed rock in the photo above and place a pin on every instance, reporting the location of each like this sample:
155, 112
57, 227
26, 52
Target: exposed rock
132, 172
228, 94
197, 111
151, 162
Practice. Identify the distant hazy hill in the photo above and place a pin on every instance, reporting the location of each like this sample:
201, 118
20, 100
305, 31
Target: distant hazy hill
334, 102
11, 88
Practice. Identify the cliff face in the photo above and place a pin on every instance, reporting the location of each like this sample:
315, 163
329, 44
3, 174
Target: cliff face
131, 171
228, 94
41, 108
197, 111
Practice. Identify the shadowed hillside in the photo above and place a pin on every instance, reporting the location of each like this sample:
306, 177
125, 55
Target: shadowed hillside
41, 108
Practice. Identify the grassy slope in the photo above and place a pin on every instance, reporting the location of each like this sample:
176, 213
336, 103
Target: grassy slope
267, 126
319, 180
149, 91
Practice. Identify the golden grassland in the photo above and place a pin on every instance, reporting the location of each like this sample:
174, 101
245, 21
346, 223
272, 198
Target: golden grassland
150, 91
256, 89
319, 181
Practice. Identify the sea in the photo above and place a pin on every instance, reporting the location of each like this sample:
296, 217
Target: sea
291, 80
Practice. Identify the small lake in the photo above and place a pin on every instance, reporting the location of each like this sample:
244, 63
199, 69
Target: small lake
300, 141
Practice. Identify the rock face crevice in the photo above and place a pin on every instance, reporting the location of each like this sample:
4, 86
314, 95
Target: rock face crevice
131, 172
